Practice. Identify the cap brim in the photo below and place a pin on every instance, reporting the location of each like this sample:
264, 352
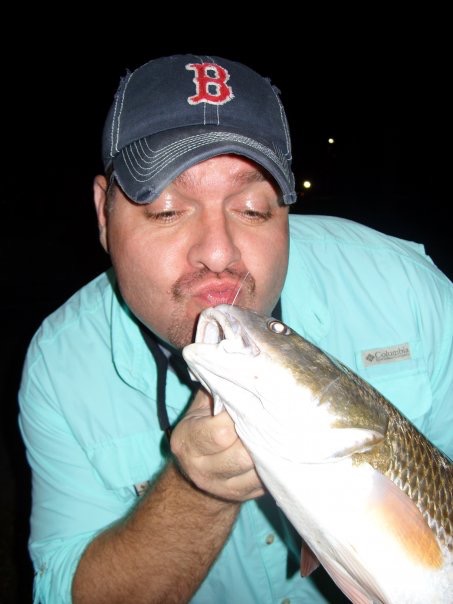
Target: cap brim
145, 167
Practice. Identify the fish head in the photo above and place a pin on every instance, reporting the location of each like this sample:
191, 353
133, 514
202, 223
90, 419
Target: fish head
233, 356
272, 382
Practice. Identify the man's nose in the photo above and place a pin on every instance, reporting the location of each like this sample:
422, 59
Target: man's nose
214, 244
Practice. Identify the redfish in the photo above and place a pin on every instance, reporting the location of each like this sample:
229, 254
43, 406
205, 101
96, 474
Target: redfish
367, 492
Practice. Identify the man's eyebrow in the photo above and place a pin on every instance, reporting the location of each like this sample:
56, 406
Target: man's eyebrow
249, 176
245, 176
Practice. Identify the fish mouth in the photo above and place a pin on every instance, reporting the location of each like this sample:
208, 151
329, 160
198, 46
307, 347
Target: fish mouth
216, 325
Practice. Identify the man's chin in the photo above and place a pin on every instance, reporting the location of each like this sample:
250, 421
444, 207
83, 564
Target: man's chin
182, 327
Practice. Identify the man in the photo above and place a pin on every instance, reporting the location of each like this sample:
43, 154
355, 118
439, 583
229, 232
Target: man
193, 210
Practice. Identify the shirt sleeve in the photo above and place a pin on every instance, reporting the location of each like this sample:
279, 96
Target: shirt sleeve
70, 502
55, 564
440, 430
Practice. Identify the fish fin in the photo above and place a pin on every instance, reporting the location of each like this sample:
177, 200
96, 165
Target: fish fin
347, 584
218, 404
308, 561
396, 513
348, 441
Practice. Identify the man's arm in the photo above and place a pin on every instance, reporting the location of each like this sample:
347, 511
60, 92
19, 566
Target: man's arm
163, 550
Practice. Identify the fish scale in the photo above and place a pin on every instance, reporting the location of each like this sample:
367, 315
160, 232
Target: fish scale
423, 473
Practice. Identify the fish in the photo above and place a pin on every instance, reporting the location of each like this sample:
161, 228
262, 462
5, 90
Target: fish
370, 496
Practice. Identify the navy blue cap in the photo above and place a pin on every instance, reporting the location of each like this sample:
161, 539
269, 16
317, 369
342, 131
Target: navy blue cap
173, 112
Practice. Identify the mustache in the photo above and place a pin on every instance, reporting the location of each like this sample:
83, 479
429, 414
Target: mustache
184, 285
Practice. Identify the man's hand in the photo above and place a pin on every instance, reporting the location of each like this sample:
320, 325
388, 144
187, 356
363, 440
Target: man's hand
210, 453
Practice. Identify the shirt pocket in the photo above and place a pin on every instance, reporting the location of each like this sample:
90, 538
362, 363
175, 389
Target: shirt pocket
404, 383
122, 464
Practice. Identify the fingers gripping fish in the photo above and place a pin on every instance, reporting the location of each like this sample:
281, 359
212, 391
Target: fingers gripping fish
367, 492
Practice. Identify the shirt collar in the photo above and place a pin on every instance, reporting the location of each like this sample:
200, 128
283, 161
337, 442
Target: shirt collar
304, 302
130, 354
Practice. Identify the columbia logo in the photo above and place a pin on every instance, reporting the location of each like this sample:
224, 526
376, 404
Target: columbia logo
390, 354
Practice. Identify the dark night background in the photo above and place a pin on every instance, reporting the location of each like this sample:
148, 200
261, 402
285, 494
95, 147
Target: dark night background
380, 92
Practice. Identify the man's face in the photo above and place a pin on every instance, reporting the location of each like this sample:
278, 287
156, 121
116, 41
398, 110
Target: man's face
217, 234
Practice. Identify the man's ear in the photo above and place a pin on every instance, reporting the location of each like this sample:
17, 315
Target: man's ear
100, 187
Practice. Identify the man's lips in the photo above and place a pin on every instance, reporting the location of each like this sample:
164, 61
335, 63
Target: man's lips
216, 293
208, 289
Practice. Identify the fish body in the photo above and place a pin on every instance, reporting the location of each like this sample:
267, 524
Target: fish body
367, 492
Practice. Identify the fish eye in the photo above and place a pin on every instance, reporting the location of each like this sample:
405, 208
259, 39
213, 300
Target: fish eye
278, 327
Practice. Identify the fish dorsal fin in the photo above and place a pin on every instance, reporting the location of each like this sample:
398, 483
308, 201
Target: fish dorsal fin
396, 513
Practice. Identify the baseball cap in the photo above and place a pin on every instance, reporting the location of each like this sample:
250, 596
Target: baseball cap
173, 112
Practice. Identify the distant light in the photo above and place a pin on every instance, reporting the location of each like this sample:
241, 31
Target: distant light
331, 141
307, 184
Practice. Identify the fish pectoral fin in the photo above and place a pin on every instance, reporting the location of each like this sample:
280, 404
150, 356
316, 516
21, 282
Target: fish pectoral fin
395, 512
344, 442
308, 561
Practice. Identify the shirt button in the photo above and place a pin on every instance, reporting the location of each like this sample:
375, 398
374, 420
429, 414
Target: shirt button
286, 601
270, 539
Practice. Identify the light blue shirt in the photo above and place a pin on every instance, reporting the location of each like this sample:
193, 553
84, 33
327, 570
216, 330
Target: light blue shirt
88, 411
